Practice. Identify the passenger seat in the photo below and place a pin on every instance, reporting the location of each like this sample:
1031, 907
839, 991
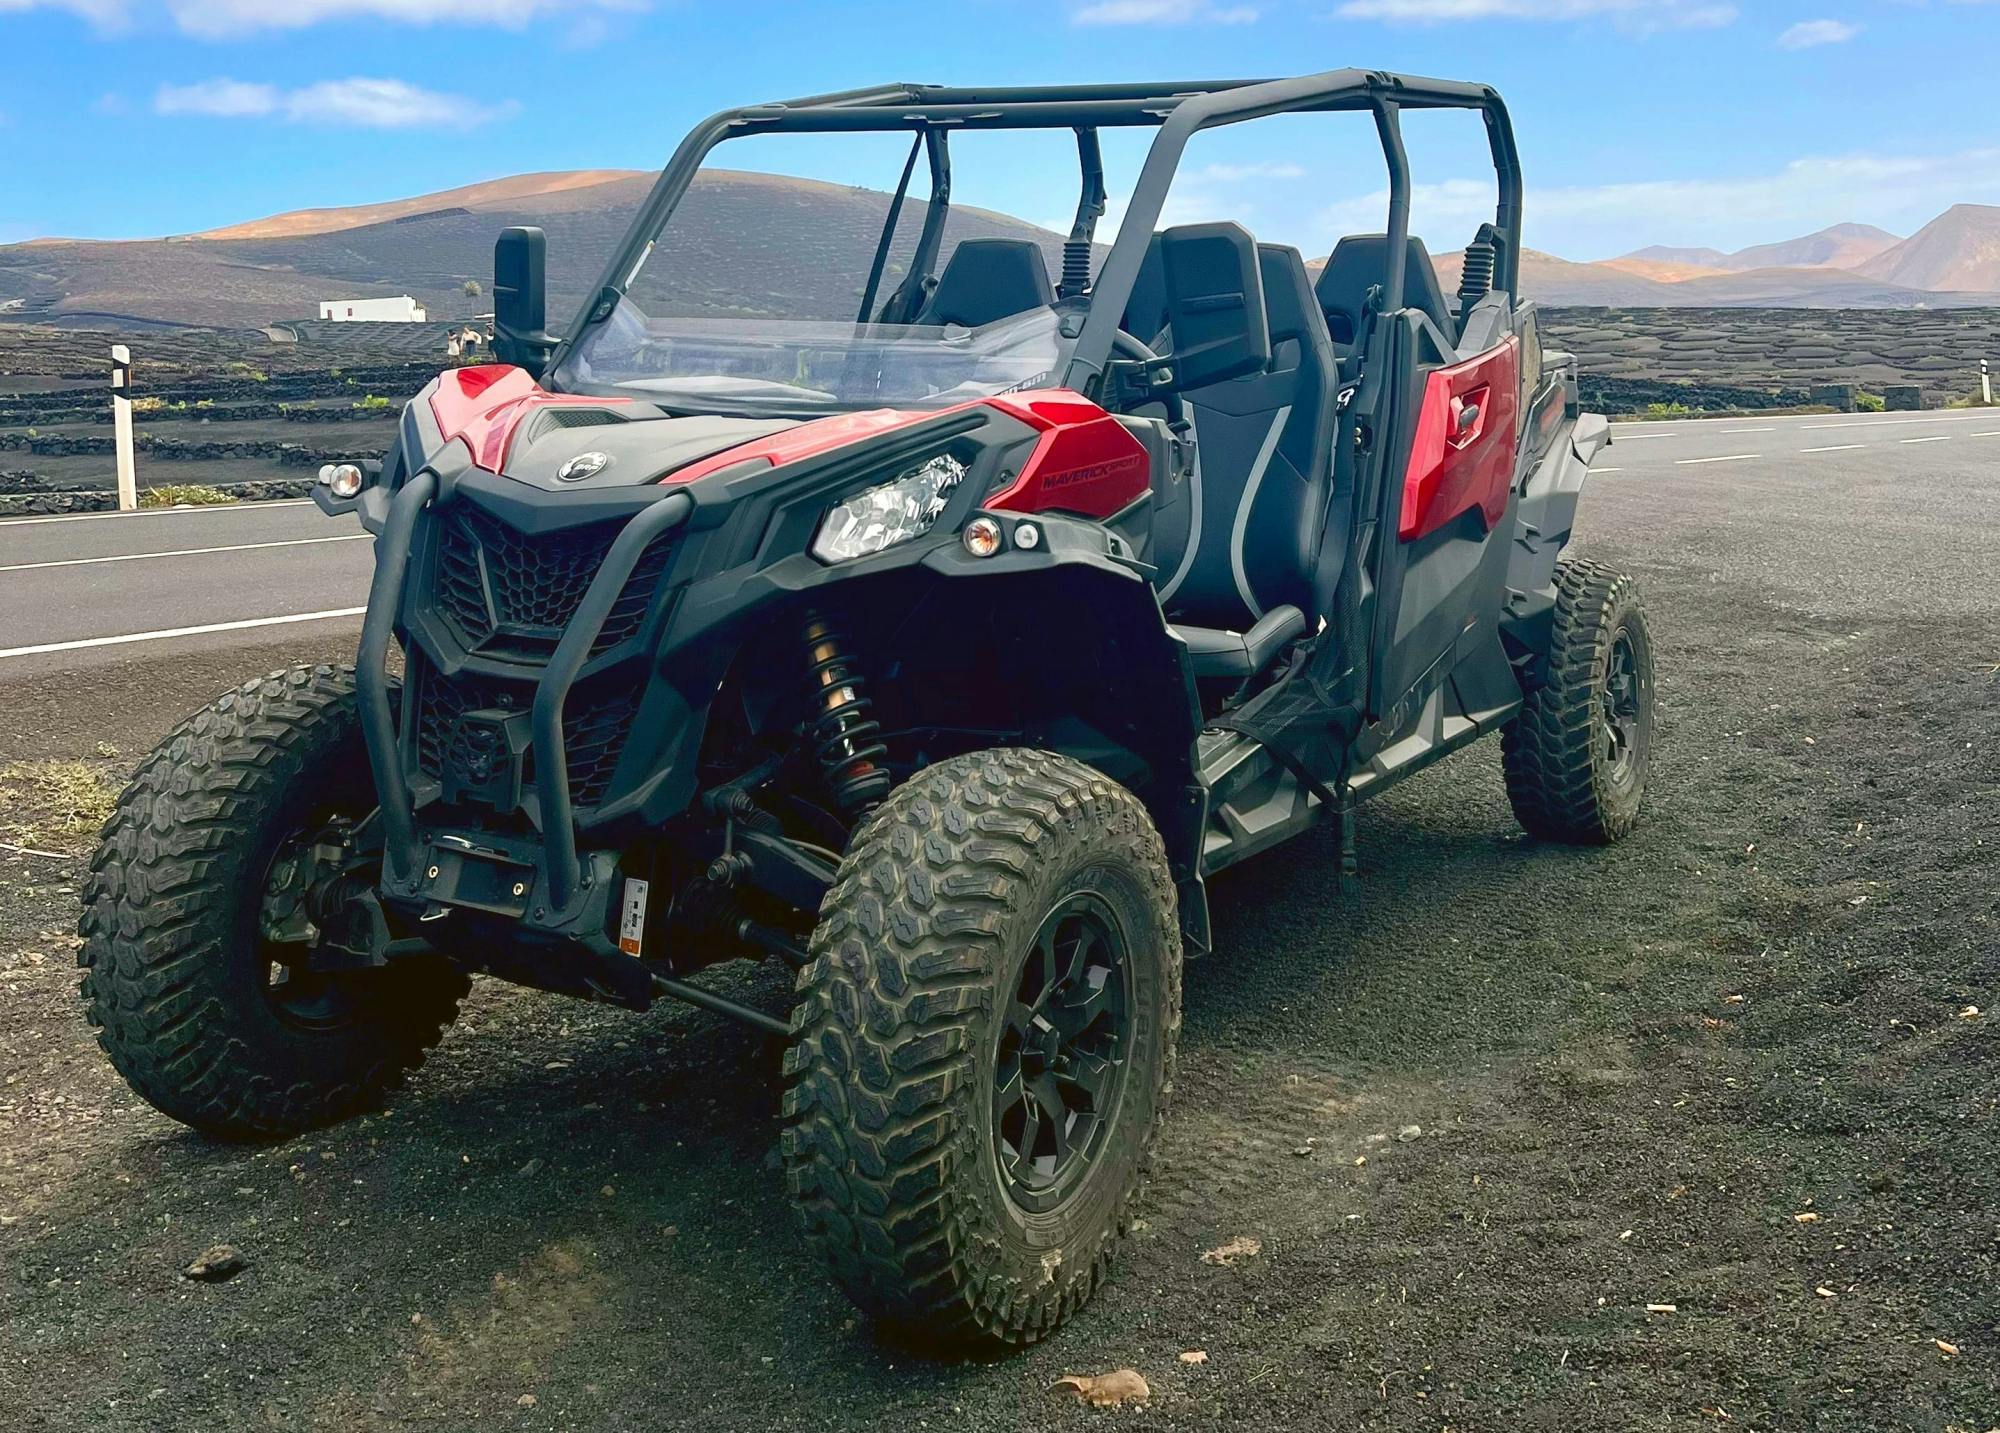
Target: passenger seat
1360, 262
987, 280
1264, 470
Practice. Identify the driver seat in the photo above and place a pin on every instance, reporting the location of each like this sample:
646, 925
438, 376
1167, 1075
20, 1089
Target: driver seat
1237, 581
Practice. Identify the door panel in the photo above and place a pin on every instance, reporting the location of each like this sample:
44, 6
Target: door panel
1442, 575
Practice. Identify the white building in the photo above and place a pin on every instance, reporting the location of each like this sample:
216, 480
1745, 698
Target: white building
401, 309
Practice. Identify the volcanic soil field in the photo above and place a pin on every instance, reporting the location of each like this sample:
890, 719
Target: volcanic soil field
1695, 1132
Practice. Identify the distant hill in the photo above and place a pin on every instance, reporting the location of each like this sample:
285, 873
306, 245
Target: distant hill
1960, 249
1683, 258
493, 194
752, 244
745, 243
1844, 246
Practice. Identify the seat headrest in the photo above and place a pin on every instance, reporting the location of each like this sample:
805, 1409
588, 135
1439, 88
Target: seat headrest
987, 280
1361, 262
1289, 302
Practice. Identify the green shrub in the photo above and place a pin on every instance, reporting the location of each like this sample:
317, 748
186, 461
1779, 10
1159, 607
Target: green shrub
373, 403
168, 495
1870, 403
1669, 410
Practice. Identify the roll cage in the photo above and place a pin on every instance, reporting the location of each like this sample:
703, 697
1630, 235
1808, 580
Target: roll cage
1177, 110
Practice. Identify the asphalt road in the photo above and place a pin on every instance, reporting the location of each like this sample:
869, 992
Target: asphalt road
84, 592
1701, 1128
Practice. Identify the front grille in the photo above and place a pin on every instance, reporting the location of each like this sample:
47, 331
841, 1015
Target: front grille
454, 746
511, 594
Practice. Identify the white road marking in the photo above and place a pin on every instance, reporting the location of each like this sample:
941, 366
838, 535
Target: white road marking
181, 552
1939, 438
1731, 458
1994, 434
160, 512
1883, 422
1607, 470
1617, 437
1836, 448
165, 633
1729, 432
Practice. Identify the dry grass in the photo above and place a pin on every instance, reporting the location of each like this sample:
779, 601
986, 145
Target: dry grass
54, 804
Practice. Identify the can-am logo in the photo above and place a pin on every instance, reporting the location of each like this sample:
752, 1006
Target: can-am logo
583, 465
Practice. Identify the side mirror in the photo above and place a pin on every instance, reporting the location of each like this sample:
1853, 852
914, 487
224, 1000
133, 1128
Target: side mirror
520, 299
1215, 304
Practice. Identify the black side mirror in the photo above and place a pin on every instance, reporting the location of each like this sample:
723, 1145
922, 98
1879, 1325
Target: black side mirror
1215, 304
520, 299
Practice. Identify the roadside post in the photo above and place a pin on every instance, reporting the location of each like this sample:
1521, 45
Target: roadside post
1985, 383
121, 426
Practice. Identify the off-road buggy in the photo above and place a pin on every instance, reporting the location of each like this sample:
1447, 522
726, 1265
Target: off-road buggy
941, 652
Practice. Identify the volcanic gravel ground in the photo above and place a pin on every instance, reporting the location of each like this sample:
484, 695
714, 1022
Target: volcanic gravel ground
1479, 1118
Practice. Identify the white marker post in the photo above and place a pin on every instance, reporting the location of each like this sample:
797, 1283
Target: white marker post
121, 426
1986, 382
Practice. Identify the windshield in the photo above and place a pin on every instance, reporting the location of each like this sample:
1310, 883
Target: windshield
781, 366
796, 292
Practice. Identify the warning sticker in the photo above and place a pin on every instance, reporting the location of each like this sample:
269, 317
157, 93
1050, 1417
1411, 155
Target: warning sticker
632, 924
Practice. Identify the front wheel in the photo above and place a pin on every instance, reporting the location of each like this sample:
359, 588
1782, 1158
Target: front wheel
983, 1043
1578, 755
198, 928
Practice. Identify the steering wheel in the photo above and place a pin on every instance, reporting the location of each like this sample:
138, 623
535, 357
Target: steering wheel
1124, 345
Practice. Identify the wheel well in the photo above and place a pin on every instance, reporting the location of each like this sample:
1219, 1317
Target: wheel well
1073, 659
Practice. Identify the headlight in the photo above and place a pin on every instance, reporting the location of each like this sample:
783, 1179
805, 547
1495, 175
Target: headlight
880, 517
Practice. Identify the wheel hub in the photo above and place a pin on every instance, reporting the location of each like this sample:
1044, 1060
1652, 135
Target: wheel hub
1619, 706
1060, 1065
299, 873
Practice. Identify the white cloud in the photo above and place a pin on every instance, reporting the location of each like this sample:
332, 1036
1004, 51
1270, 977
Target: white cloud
359, 102
105, 14
227, 19
1895, 191
1164, 12
1644, 16
1808, 33
225, 99
1230, 173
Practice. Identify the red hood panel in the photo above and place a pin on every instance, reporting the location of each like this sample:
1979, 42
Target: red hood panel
1083, 461
485, 404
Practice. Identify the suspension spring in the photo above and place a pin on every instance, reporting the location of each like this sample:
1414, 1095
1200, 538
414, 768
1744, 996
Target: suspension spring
843, 734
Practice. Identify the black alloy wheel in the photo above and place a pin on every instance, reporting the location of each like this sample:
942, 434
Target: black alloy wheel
1059, 1071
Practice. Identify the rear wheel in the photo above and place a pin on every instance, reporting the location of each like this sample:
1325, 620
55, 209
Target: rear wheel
198, 920
984, 1039
1578, 755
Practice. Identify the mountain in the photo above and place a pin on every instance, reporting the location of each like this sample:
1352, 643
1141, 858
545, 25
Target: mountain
1844, 246
743, 243
493, 194
759, 244
1663, 271
1686, 258
1558, 282
1960, 249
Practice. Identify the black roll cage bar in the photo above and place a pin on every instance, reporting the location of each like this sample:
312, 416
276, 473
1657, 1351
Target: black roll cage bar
1177, 110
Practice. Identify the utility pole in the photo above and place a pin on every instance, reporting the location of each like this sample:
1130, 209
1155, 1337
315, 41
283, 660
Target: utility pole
121, 426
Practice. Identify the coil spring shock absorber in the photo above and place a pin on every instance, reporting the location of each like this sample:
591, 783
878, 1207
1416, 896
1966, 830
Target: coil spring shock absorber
843, 733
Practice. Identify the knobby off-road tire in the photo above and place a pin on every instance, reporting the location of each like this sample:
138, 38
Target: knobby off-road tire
177, 977
924, 966
1576, 758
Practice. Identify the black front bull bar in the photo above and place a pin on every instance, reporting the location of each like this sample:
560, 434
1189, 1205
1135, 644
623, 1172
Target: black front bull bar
402, 849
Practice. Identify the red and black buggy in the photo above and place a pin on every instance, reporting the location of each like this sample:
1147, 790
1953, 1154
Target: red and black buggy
940, 650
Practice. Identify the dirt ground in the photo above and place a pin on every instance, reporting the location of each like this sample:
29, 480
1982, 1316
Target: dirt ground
1744, 1066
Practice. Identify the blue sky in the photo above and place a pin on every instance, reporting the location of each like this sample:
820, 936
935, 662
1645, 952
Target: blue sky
1642, 121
